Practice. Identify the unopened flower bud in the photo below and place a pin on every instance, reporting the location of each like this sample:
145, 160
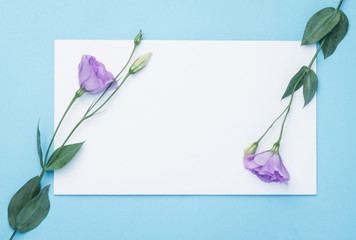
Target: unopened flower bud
79, 92
140, 63
138, 38
250, 150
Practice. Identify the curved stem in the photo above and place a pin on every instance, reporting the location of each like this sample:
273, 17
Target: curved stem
13, 235
59, 124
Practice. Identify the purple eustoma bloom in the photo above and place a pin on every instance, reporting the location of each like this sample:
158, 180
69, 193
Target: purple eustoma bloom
93, 76
268, 166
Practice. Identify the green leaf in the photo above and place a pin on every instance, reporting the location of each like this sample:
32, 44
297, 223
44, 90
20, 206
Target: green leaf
297, 79
39, 148
62, 156
309, 86
320, 24
335, 36
21, 198
34, 212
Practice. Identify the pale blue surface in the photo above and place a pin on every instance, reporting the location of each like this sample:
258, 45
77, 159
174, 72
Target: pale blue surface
28, 30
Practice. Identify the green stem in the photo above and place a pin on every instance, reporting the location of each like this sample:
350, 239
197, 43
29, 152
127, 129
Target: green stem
127, 63
86, 116
41, 175
285, 117
13, 235
338, 6
291, 99
102, 105
317, 52
73, 130
76, 96
115, 80
38, 183
271, 125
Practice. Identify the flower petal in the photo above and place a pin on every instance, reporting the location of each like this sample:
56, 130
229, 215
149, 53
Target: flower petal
262, 158
250, 164
264, 178
268, 168
279, 167
84, 69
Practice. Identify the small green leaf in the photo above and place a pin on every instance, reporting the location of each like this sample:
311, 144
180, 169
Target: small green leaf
33, 212
62, 156
297, 79
39, 148
335, 36
310, 85
21, 198
320, 24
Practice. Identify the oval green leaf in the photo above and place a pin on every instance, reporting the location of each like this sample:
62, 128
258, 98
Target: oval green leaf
335, 36
296, 80
310, 85
33, 212
320, 24
62, 156
21, 198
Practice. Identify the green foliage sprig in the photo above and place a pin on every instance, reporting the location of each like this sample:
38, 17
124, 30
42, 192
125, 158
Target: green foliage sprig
327, 28
30, 204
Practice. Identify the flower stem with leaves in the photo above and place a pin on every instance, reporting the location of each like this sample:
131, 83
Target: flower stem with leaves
30, 205
327, 27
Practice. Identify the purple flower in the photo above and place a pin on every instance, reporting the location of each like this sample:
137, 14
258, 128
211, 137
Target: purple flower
268, 166
93, 76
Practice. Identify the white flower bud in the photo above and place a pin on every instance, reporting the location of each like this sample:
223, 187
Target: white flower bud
140, 63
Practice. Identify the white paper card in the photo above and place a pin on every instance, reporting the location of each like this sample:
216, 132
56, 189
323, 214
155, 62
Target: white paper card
180, 125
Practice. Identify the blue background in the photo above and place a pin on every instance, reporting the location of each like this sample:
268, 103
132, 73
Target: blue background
28, 30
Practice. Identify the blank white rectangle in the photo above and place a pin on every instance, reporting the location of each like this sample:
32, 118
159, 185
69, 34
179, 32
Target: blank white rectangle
180, 125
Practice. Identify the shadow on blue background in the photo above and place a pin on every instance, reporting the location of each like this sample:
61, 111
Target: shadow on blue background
28, 31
